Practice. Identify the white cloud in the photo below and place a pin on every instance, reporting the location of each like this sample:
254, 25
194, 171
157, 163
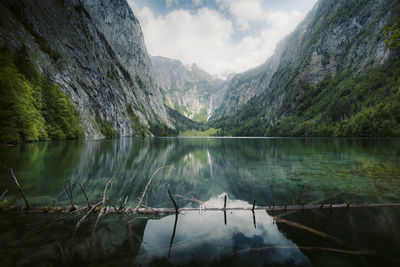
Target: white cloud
206, 36
245, 11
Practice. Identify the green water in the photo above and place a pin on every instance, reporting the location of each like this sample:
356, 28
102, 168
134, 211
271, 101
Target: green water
271, 171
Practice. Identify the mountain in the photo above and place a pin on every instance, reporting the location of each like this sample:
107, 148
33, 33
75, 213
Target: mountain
333, 76
188, 90
94, 51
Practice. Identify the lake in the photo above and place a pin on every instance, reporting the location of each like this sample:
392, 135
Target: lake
272, 171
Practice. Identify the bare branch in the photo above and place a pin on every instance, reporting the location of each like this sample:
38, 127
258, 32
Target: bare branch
84, 193
101, 209
2, 195
173, 201
147, 186
19, 188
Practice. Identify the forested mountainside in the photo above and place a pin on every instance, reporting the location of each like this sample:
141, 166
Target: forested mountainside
93, 53
187, 90
335, 75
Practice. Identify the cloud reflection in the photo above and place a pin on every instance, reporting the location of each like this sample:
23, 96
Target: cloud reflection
203, 238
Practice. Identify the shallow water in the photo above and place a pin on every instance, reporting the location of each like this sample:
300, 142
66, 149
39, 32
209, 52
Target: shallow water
270, 170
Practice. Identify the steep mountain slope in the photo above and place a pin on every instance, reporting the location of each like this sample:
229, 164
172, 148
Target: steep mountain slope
331, 73
187, 90
94, 50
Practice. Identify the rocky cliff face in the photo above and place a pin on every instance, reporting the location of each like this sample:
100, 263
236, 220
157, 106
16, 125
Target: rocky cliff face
189, 90
335, 37
94, 49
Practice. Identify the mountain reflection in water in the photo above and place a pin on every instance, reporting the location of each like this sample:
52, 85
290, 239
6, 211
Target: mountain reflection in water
270, 170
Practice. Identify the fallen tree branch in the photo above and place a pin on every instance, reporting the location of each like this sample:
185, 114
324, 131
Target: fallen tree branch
325, 249
149, 210
311, 230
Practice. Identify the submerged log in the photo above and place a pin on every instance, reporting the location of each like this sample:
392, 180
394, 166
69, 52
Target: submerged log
110, 210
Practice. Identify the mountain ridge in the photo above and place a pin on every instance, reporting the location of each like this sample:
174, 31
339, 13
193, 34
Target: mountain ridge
335, 38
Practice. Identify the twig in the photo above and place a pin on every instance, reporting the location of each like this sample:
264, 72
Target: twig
101, 208
147, 186
87, 214
20, 206
225, 202
16, 183
62, 253
2, 195
70, 195
173, 201
87, 199
173, 234
189, 199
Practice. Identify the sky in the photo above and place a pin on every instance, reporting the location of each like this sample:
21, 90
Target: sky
220, 36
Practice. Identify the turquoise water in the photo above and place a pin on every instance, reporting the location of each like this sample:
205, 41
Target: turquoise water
270, 170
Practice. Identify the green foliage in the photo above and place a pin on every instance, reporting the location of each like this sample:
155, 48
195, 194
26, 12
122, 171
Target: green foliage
32, 107
183, 123
209, 132
202, 116
62, 119
139, 127
106, 127
393, 36
348, 105
362, 105
160, 129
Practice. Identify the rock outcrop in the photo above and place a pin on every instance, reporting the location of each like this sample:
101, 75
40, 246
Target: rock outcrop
95, 51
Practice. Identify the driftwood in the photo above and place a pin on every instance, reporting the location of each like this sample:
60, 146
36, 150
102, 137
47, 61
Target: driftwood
324, 249
149, 210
